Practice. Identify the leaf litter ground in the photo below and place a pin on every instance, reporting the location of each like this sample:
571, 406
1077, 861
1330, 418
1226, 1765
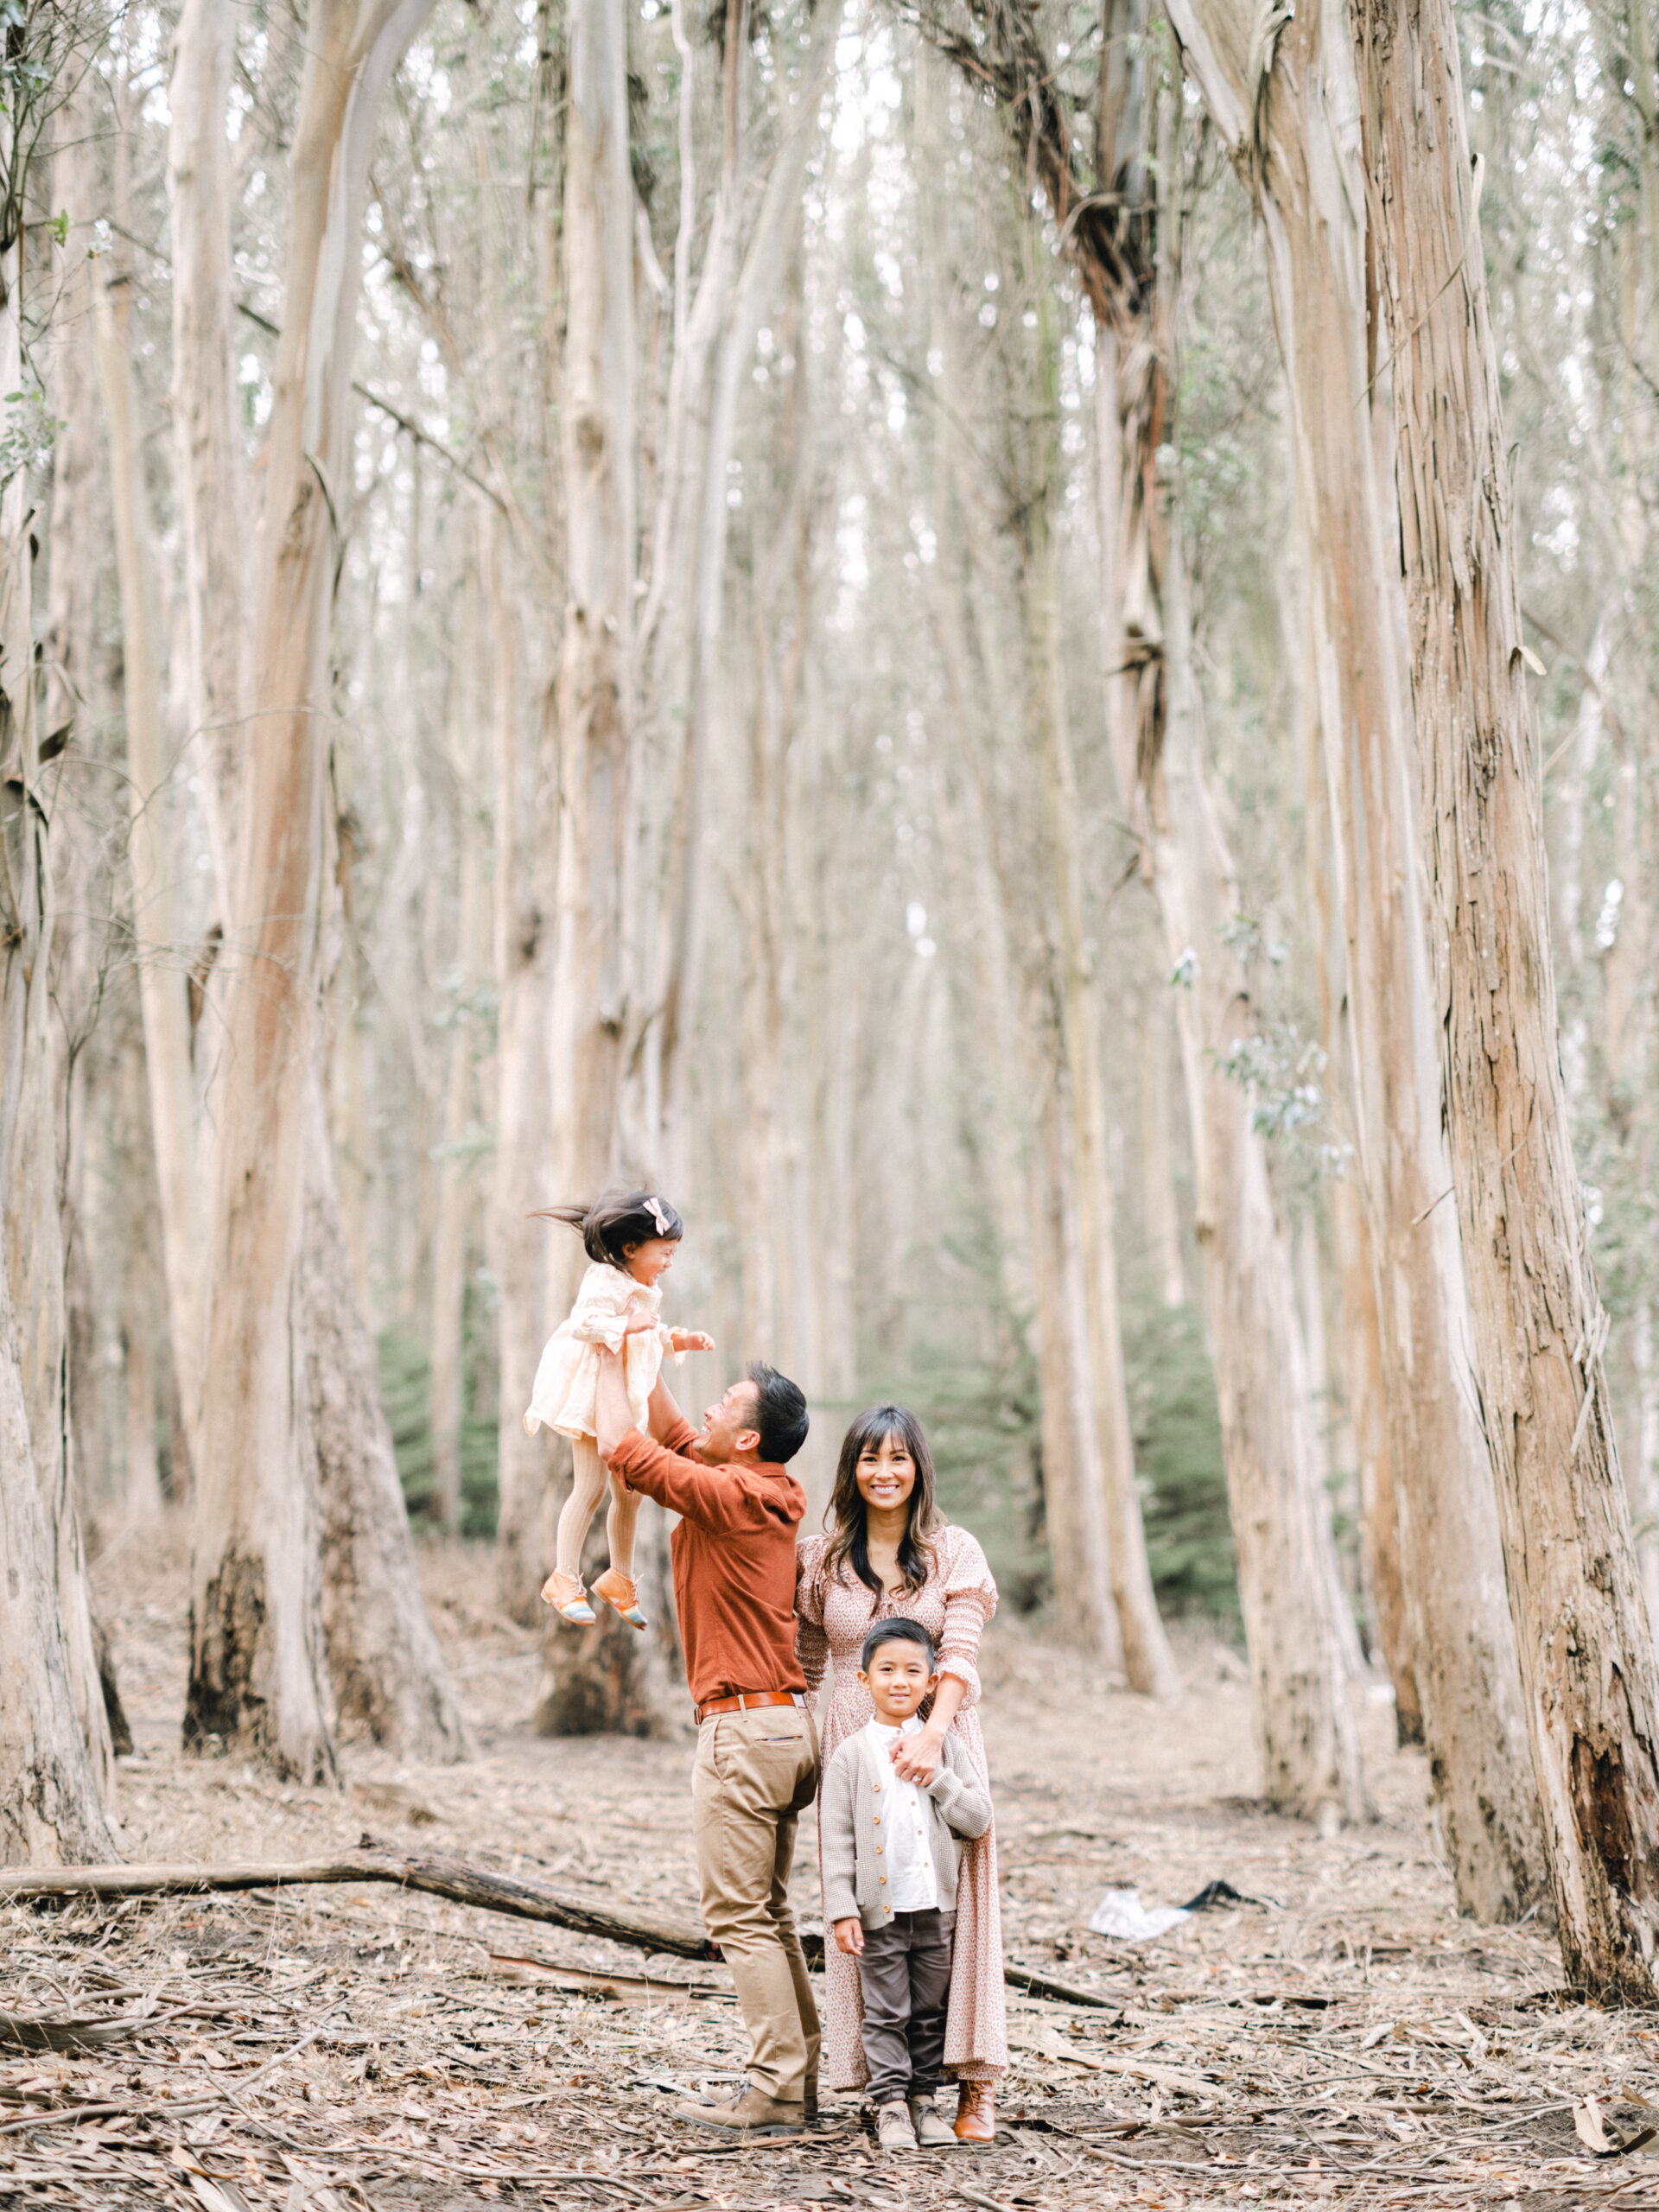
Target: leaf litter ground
361, 2049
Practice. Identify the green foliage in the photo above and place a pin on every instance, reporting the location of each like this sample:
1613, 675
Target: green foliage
405, 1392
1177, 1455
983, 1422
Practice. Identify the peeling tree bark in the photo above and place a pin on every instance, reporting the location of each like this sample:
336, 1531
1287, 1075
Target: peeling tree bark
49, 1809
1292, 128
56, 1756
1585, 1647
157, 938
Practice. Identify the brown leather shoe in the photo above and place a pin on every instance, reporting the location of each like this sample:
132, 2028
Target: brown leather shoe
975, 2112
751, 2112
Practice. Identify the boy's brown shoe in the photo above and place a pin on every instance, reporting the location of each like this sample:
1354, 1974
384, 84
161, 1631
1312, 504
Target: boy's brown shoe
752, 2111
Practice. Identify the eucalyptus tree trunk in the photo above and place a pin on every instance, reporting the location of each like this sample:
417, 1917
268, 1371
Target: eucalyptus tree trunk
594, 688
456, 1171
387, 1674
1293, 131
49, 1807
151, 854
212, 501
605, 1679
33, 1328
1585, 1646
524, 777
1287, 1588
257, 1674
682, 608
1160, 1219
1366, 1400
1146, 1658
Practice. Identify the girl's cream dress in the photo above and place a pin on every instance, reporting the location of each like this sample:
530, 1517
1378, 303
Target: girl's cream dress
567, 1380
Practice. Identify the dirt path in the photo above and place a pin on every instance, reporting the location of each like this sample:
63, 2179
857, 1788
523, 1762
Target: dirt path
1349, 2041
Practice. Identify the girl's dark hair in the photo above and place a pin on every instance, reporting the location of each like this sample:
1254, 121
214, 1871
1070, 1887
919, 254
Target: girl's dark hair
616, 1219
851, 1541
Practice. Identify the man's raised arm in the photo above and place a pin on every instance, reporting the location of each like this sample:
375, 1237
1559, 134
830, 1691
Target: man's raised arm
667, 1423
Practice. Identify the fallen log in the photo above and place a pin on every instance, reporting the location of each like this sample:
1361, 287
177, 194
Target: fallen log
453, 1878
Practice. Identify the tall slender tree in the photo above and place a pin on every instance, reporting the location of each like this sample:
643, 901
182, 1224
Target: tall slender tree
1585, 1645
1291, 126
260, 1675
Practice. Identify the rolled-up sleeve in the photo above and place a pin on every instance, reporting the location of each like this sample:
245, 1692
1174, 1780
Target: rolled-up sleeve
969, 1601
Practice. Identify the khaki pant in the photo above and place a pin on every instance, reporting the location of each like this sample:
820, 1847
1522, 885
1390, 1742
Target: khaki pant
755, 1774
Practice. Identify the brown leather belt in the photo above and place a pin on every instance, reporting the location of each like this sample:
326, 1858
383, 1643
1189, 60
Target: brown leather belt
746, 1701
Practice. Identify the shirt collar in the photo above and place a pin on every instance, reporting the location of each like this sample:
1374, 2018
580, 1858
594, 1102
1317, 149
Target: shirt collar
904, 1728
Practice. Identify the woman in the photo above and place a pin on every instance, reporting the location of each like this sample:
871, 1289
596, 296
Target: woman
889, 1553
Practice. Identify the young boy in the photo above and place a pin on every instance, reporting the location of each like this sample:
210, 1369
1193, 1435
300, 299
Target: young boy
890, 1855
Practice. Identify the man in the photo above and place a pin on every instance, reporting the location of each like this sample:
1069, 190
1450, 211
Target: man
757, 1761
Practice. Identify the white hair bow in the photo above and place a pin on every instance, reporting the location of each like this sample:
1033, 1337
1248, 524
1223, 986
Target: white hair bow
654, 1208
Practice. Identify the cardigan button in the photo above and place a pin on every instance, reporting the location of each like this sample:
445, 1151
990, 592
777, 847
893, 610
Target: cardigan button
880, 1877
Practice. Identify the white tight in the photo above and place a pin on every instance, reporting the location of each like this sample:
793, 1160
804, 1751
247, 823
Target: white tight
592, 1476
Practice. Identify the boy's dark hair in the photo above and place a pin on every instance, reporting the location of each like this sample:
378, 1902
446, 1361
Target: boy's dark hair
616, 1219
780, 1412
900, 1631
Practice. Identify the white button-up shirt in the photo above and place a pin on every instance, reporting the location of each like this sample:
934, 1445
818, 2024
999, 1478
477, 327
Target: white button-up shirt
906, 1855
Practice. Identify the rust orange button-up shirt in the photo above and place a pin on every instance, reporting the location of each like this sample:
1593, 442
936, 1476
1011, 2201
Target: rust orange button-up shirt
733, 1562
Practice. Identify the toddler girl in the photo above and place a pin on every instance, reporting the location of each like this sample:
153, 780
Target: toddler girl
631, 1237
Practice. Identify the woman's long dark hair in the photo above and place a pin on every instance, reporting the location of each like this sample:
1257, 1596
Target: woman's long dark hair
851, 1541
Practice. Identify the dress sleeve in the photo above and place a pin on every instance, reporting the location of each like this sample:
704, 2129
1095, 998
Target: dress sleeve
811, 1644
600, 1313
969, 1601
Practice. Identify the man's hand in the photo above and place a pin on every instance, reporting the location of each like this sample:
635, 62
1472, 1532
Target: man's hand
613, 1414
638, 1323
849, 1937
916, 1758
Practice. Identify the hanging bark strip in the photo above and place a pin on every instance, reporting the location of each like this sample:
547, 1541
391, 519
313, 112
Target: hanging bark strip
1586, 1644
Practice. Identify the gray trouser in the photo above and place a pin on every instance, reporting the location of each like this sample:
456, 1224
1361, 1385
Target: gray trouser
904, 1974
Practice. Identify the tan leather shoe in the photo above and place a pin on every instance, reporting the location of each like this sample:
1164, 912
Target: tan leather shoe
751, 2112
975, 2112
893, 2129
620, 1594
933, 2131
568, 1599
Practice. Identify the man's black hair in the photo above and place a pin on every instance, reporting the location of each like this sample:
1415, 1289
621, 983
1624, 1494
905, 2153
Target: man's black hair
779, 1414
901, 1629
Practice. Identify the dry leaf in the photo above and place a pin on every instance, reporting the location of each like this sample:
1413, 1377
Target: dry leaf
1587, 2125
